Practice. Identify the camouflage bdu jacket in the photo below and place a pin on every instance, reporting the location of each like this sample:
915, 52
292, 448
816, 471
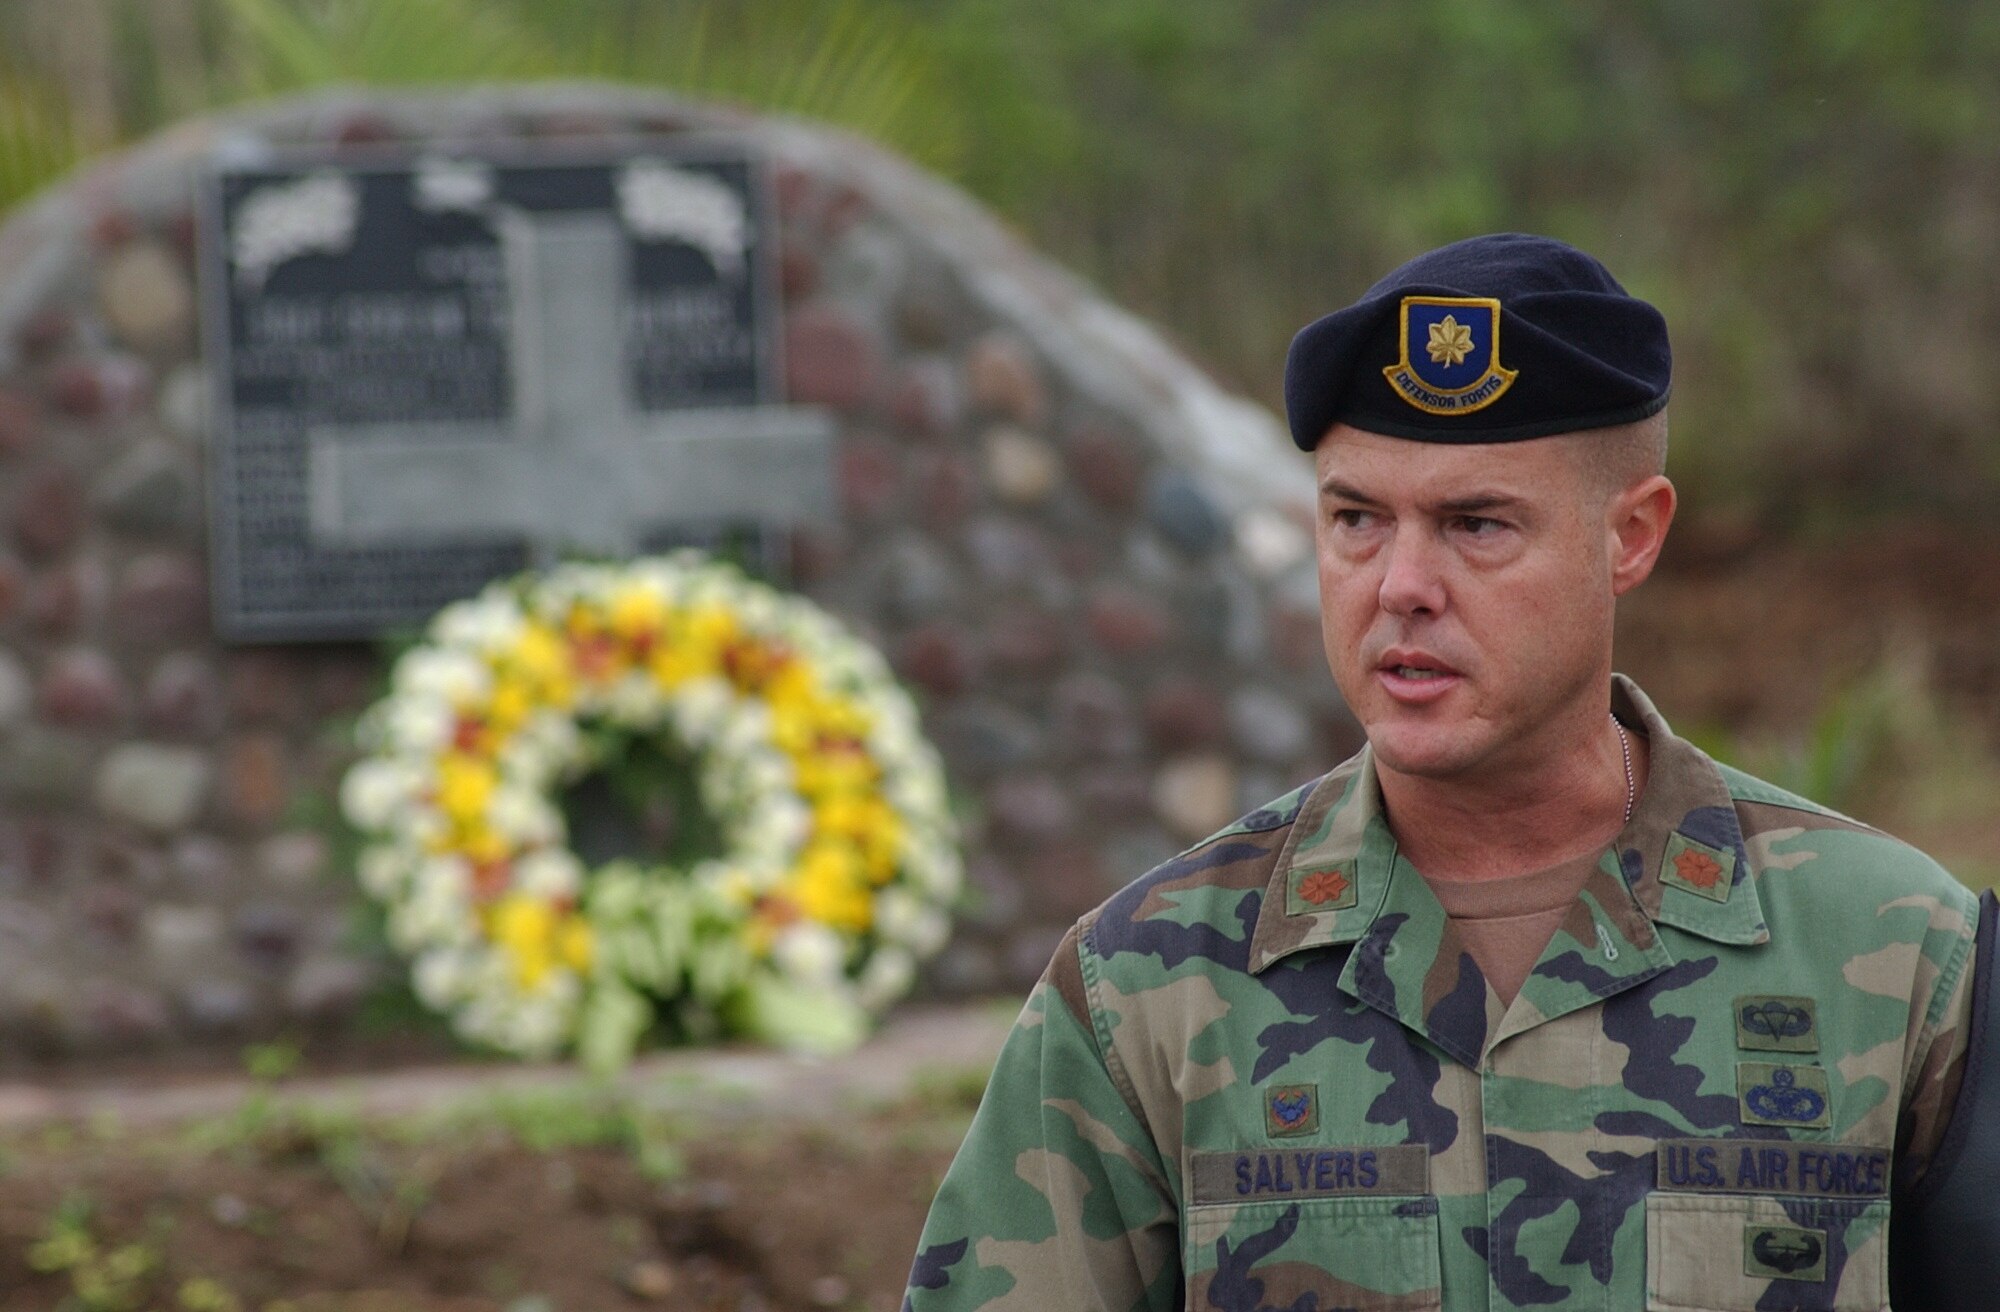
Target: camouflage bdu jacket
1265, 1077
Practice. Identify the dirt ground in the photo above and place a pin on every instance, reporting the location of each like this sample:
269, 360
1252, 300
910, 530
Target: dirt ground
746, 1217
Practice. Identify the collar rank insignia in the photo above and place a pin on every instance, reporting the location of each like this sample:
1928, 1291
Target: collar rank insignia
1451, 355
1310, 890
1291, 1109
1697, 868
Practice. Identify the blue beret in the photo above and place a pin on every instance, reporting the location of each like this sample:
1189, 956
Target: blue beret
1492, 339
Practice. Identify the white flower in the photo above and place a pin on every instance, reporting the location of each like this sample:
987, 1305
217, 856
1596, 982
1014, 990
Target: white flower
488, 623
452, 676
887, 976
550, 872
811, 953
442, 977
382, 871
418, 725
375, 790
522, 816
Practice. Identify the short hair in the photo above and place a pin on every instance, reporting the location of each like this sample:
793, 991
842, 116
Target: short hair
1613, 459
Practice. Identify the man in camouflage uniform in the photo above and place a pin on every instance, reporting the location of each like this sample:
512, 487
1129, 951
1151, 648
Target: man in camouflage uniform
1526, 1005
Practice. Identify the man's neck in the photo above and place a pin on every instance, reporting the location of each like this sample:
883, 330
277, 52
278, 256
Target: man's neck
1511, 821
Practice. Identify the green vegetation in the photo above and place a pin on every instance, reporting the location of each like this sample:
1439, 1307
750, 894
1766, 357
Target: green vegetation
1888, 751
1804, 186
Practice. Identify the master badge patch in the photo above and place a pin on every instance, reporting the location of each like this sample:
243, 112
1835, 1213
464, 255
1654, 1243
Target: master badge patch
1291, 1110
1451, 355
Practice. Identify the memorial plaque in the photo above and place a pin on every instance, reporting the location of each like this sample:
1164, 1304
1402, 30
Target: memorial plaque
434, 370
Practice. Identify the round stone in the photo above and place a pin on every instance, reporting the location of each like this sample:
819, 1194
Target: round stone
1020, 467
935, 657
264, 684
1093, 716
119, 1017
1007, 551
149, 492
217, 1006
178, 937
1268, 726
1003, 379
980, 735
1024, 640
155, 787
830, 359
183, 697
926, 400
82, 688
67, 599
201, 864
1126, 622
946, 489
147, 297
1271, 543
870, 477
20, 423
1109, 468
49, 511
44, 765
326, 987
1031, 806
183, 407
162, 596
294, 860
1114, 790
268, 934
918, 580
798, 271
1195, 795
1183, 713
254, 779
1182, 513
17, 693
1296, 639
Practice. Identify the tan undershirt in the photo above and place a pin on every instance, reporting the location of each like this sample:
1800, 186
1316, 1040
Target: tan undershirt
1505, 923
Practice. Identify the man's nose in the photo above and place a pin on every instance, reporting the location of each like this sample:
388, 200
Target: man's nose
1412, 577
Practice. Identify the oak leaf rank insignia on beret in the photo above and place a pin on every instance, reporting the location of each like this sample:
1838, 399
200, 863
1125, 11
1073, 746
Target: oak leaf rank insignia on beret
1450, 354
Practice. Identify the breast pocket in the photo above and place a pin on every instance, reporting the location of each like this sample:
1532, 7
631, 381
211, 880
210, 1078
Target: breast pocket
1708, 1253
1369, 1254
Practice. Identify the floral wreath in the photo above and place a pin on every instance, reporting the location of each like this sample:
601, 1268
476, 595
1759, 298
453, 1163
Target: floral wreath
836, 855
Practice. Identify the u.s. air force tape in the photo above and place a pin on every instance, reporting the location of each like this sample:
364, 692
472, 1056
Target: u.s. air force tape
1258, 1175
1772, 1166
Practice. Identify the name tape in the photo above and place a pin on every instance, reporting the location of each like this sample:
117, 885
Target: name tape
1772, 1166
1256, 1176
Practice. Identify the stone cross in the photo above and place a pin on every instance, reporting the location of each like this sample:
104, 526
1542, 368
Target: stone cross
579, 466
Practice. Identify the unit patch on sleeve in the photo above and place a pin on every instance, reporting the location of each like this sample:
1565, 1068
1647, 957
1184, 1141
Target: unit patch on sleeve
1265, 1175
1771, 1023
1792, 1096
1784, 1252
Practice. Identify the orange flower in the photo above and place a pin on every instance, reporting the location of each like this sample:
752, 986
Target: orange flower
1322, 886
1698, 868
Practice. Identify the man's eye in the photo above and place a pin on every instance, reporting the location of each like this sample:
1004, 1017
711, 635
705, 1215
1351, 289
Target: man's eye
1479, 526
1351, 518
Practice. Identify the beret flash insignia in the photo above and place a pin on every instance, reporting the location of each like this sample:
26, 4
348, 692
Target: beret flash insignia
1450, 361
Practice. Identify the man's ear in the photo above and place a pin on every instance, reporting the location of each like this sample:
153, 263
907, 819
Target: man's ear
1637, 522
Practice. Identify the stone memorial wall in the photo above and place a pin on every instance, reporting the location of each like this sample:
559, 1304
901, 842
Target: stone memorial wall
1091, 565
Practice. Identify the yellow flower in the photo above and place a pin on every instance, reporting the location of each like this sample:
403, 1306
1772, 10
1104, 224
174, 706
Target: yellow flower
464, 786
1451, 341
510, 706
525, 927
637, 612
574, 944
830, 888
